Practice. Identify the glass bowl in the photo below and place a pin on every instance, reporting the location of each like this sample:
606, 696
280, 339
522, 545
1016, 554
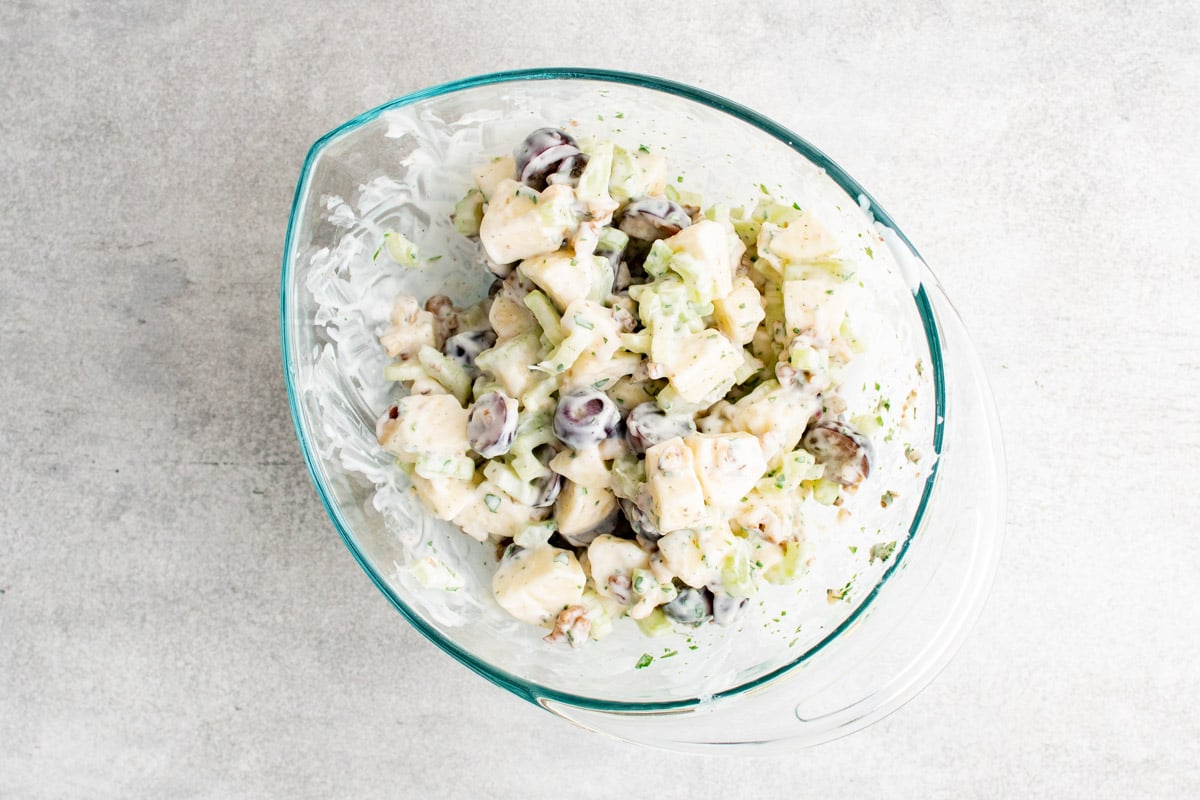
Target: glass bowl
864, 631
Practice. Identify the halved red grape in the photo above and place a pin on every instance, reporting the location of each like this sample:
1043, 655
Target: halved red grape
654, 218
464, 347
690, 606
648, 425
727, 610
549, 486
492, 425
549, 155
584, 417
845, 452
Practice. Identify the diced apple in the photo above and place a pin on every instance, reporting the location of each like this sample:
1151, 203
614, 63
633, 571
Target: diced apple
674, 488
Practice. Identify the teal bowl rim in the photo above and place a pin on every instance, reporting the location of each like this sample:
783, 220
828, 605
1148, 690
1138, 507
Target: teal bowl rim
532, 692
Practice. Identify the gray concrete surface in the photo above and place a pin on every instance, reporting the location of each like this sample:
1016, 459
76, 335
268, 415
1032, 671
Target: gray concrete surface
179, 620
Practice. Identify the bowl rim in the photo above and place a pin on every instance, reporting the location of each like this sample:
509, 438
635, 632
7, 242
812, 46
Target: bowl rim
528, 690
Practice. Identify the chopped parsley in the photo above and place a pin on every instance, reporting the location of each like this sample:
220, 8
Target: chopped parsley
882, 551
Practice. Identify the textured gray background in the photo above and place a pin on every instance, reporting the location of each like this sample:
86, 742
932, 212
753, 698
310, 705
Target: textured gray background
178, 618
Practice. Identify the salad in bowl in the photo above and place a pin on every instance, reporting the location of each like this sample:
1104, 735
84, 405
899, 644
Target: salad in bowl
632, 402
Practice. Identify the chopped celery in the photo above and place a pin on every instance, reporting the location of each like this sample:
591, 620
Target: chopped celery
684, 197
718, 212
508, 480
794, 563
546, 315
533, 431
593, 183
404, 371
468, 213
794, 468
509, 362
628, 474
658, 260
400, 248
439, 466
613, 239
750, 367
537, 397
567, 352
737, 578
826, 492
446, 371
636, 342
655, 623
535, 535
642, 582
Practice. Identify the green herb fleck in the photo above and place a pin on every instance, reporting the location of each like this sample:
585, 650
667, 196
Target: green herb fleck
870, 254
835, 595
492, 502
882, 551
644, 661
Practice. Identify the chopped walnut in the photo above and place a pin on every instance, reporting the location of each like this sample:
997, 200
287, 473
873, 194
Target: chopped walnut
445, 316
572, 625
624, 319
785, 373
618, 587
834, 405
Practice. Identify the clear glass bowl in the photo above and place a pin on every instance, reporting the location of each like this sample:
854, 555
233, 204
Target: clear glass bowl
834, 665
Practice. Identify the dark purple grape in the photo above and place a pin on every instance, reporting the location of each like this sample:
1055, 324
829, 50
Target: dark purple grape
641, 521
549, 155
607, 248
622, 279
727, 610
691, 606
648, 425
551, 485
654, 218
845, 452
584, 417
492, 426
585, 538
464, 347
